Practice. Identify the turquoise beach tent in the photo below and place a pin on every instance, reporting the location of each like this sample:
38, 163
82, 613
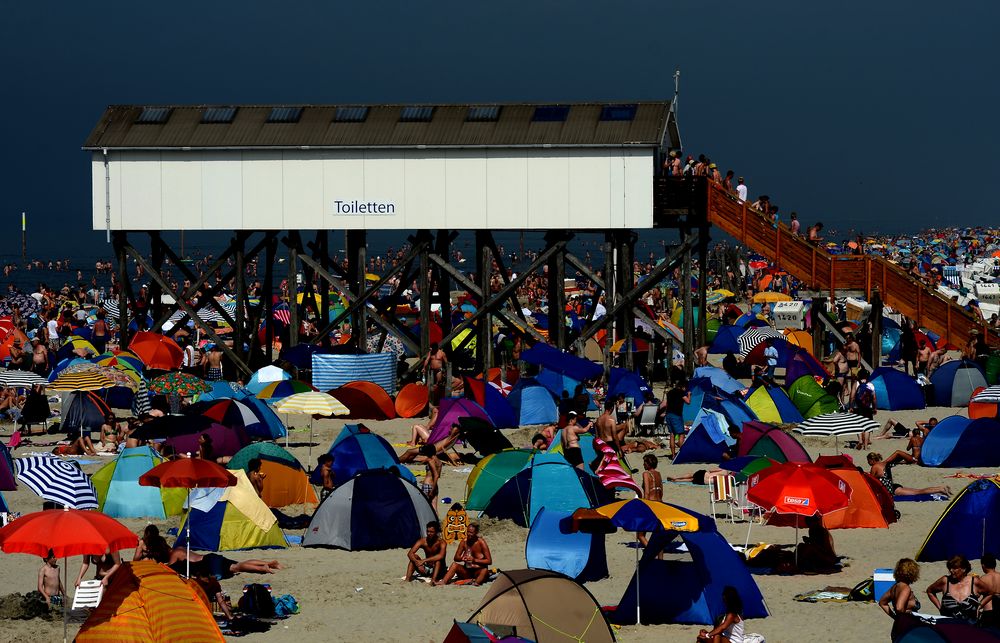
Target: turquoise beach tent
120, 495
552, 544
708, 439
895, 390
969, 526
532, 403
957, 441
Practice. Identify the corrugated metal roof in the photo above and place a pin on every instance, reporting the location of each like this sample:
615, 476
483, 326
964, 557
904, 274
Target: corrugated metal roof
121, 128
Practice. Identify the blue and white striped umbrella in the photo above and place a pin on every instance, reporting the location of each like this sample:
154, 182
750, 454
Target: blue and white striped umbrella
989, 395
753, 336
58, 480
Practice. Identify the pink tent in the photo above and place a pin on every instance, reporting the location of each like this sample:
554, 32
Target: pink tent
453, 408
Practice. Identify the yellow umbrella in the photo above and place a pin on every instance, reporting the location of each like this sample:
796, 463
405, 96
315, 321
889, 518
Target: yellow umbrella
78, 342
82, 381
724, 292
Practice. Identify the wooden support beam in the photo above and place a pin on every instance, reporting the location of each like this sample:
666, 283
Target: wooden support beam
703, 239
557, 293
294, 248
484, 265
155, 303
120, 241
268, 298
156, 276
876, 318
357, 256
688, 321
239, 330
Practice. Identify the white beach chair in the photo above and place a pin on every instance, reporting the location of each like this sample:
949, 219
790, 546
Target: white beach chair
88, 594
721, 489
647, 420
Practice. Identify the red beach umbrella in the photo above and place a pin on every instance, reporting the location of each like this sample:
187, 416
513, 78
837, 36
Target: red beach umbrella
156, 350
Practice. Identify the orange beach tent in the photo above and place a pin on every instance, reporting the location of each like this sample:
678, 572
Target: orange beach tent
366, 400
147, 601
412, 400
870, 507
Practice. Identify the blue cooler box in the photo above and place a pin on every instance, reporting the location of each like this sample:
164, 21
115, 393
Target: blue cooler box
883, 582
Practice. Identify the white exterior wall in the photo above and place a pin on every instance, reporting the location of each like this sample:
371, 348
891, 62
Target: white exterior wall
467, 189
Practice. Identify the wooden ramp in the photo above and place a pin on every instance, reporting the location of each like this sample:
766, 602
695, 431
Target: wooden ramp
823, 271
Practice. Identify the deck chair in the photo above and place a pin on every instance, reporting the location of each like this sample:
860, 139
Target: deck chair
36, 410
647, 420
722, 490
88, 594
742, 507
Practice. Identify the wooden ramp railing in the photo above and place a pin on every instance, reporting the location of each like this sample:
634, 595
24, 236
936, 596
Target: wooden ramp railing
822, 271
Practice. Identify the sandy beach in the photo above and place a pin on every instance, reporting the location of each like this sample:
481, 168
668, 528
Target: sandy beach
359, 596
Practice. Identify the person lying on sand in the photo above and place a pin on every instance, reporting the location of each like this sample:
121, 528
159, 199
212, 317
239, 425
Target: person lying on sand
472, 559
422, 453
219, 566
881, 470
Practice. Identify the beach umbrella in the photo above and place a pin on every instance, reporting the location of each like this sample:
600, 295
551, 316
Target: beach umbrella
129, 379
228, 412
57, 480
989, 395
178, 383
836, 424
74, 343
21, 379
265, 376
637, 514
168, 426
123, 360
770, 297
83, 381
284, 388
714, 297
188, 473
66, 533
753, 336
798, 488
156, 350
311, 403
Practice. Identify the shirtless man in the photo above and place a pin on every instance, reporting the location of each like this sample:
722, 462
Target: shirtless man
39, 357
923, 357
608, 430
49, 582
434, 363
256, 476
991, 583
472, 559
570, 439
936, 360
212, 361
435, 551
840, 372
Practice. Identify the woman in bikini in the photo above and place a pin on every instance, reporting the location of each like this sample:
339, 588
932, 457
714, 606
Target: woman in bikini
652, 486
429, 485
959, 591
420, 432
900, 598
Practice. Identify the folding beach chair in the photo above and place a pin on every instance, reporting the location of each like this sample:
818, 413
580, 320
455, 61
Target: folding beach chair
647, 420
88, 594
722, 489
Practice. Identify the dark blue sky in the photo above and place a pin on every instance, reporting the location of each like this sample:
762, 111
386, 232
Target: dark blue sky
871, 115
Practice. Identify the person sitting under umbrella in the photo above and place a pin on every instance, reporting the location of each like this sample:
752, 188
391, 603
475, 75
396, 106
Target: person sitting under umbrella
816, 551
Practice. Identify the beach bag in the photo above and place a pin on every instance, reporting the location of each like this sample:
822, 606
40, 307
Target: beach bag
285, 605
863, 591
257, 601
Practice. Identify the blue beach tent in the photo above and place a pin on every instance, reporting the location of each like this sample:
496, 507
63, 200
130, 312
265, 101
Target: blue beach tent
955, 381
727, 340
358, 449
688, 591
271, 427
373, 511
547, 480
719, 378
532, 403
552, 544
633, 385
957, 441
498, 408
558, 382
895, 390
969, 526
562, 362
708, 439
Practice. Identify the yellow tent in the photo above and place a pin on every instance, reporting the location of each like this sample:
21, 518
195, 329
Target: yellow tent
769, 297
147, 601
800, 338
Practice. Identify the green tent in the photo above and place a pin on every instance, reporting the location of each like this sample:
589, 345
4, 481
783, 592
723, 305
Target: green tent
491, 473
810, 398
993, 368
265, 451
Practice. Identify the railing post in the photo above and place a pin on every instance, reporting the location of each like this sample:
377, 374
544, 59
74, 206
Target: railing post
743, 221
833, 285
812, 280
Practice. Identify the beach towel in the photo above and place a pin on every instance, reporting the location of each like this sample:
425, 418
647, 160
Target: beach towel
923, 497
825, 595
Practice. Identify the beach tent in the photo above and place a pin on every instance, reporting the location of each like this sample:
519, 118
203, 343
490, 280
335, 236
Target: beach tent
907, 628
411, 400
491, 473
587, 447
237, 519
86, 410
688, 591
726, 340
987, 409
532, 403
222, 389
801, 338
8, 480
810, 398
546, 480
483, 436
366, 401
356, 449
895, 390
450, 409
707, 440
955, 381
770, 404
553, 359
957, 441
969, 525
543, 606
552, 544
120, 495
271, 428
472, 633
493, 401
146, 601
225, 440
704, 394
632, 385
374, 510
286, 482
761, 439
719, 378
